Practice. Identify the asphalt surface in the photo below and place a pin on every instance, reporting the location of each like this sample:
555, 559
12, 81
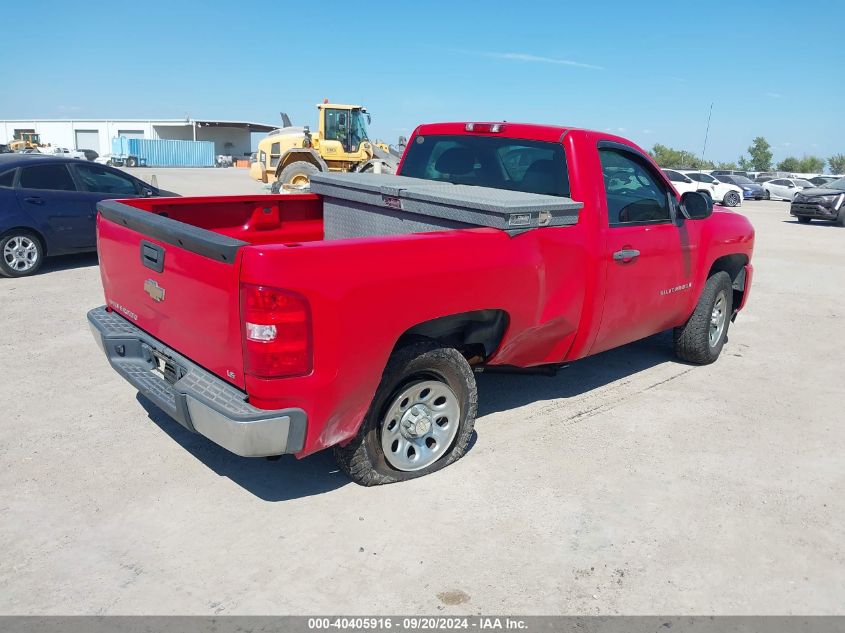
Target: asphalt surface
628, 483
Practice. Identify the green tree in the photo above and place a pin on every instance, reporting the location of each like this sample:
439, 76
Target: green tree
790, 163
811, 165
671, 158
836, 163
730, 165
743, 163
761, 154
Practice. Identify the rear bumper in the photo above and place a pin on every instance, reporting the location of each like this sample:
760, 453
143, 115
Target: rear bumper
197, 399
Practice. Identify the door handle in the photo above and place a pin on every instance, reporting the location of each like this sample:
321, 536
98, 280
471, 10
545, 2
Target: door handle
626, 254
34, 200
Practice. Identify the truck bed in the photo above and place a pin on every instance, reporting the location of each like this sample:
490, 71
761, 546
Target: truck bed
259, 219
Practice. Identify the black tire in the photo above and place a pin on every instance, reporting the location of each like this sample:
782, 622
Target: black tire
767, 195
803, 219
731, 199
131, 161
692, 340
363, 458
296, 172
8, 268
840, 219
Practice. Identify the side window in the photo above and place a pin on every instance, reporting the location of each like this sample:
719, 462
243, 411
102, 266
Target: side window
7, 178
275, 154
53, 176
634, 193
778, 182
99, 180
673, 175
697, 177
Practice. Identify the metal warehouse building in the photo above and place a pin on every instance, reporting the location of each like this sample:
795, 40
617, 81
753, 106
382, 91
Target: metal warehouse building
229, 137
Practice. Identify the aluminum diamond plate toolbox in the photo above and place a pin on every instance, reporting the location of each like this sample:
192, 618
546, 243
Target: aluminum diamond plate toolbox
359, 205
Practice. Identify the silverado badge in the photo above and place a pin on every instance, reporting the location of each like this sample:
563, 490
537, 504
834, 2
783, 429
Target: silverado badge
155, 291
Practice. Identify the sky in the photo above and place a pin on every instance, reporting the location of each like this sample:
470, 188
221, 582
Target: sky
648, 71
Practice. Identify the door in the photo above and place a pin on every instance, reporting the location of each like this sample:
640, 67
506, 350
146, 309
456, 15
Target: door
97, 182
648, 257
48, 194
88, 139
779, 189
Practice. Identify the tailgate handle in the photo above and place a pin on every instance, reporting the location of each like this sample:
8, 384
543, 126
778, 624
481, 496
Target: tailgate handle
152, 256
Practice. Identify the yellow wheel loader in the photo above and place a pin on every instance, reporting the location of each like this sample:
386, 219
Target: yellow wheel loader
288, 157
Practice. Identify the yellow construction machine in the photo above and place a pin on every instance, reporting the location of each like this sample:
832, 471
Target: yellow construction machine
25, 140
288, 156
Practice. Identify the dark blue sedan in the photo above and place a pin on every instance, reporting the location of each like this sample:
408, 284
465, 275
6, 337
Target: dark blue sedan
750, 189
48, 206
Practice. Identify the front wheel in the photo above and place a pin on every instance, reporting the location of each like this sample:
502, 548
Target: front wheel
420, 420
701, 338
803, 219
21, 254
731, 199
767, 195
297, 174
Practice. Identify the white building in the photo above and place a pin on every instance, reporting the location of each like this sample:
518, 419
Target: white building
229, 137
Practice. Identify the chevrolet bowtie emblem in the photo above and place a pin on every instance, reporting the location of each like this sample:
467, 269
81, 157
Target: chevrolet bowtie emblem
155, 291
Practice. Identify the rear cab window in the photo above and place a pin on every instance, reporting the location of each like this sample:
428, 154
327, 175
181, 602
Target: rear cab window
489, 161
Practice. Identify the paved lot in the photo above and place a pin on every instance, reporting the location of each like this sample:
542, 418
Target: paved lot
629, 483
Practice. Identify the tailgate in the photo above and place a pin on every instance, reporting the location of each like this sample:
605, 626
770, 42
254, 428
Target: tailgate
177, 282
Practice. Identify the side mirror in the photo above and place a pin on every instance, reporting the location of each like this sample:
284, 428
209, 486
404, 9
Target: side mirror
696, 206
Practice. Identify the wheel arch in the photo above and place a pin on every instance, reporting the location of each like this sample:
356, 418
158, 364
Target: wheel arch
477, 334
734, 265
301, 154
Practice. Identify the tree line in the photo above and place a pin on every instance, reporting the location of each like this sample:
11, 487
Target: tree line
759, 159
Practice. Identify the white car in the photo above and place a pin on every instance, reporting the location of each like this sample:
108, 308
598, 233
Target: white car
784, 188
684, 183
723, 192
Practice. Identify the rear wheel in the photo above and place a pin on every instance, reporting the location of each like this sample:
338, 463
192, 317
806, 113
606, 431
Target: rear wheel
701, 338
420, 420
767, 195
731, 199
840, 219
131, 162
803, 219
21, 253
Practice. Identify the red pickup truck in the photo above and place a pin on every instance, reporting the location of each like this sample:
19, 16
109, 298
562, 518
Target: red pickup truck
236, 317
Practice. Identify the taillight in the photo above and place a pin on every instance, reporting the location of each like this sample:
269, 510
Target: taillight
277, 332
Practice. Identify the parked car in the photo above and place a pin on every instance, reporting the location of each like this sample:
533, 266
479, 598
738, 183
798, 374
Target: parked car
48, 207
306, 343
684, 183
750, 189
821, 181
723, 192
730, 172
784, 188
820, 203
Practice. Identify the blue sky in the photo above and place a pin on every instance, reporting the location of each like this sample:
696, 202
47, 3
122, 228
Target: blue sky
645, 70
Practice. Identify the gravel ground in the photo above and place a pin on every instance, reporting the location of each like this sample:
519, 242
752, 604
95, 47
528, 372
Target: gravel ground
628, 483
